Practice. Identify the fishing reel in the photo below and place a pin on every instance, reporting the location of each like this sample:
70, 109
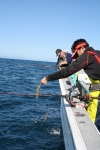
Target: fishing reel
74, 93
84, 100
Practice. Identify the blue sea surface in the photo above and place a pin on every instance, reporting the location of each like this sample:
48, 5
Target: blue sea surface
22, 123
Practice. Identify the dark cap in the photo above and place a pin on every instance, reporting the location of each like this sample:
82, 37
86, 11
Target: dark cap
58, 51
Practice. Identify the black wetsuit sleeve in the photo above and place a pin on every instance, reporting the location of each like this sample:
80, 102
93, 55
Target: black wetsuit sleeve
78, 64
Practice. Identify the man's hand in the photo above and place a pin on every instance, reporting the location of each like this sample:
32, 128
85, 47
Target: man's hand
63, 62
43, 81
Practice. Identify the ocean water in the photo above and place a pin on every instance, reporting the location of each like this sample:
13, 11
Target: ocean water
22, 123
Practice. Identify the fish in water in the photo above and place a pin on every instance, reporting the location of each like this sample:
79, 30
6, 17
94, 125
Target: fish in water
37, 91
46, 116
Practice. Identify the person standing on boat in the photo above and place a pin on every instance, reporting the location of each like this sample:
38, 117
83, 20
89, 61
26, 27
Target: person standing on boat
64, 58
88, 59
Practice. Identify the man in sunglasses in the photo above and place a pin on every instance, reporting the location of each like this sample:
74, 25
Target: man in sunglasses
88, 59
64, 58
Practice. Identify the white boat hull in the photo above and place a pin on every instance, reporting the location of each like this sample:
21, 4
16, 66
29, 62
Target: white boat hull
78, 130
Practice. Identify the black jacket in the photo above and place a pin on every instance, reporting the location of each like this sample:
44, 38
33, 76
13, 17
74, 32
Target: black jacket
86, 61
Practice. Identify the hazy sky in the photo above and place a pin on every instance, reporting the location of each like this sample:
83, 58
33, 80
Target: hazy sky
34, 29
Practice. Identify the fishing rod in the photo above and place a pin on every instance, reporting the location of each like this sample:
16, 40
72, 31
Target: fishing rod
47, 95
30, 95
84, 99
39, 65
46, 66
